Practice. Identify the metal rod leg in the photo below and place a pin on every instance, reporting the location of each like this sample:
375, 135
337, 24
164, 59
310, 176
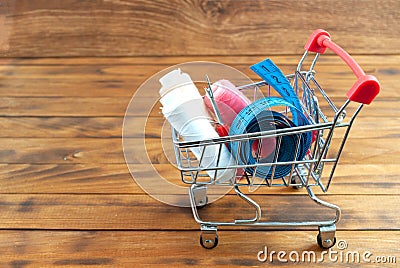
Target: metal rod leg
325, 204
251, 202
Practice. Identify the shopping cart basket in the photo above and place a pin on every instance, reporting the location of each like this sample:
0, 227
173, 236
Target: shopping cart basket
315, 169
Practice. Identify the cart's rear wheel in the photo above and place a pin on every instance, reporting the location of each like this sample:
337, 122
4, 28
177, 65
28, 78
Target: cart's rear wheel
295, 183
326, 244
209, 242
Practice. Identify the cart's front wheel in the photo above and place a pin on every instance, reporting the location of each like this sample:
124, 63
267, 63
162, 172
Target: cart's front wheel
209, 243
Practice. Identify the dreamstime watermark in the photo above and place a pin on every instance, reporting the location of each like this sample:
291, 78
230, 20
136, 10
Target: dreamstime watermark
340, 254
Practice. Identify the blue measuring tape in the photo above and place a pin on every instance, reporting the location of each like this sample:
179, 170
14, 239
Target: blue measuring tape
258, 117
271, 74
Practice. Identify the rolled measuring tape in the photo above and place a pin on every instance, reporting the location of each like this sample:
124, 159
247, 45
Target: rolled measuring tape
258, 117
270, 73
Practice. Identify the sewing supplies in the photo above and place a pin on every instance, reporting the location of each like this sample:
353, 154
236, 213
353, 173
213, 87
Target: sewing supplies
184, 109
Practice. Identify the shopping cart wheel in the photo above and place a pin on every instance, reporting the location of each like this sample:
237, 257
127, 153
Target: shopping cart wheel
209, 243
326, 237
327, 243
208, 237
296, 183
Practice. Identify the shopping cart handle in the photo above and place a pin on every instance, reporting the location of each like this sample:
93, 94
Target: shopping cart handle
366, 87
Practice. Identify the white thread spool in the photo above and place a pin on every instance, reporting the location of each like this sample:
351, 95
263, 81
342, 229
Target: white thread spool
184, 109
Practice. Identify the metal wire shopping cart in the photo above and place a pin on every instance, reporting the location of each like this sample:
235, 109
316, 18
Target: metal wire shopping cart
315, 169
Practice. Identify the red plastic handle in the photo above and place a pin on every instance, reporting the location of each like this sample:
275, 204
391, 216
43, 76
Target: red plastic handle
366, 87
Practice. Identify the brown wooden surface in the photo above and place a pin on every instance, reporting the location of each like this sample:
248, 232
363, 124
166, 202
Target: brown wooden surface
238, 27
67, 73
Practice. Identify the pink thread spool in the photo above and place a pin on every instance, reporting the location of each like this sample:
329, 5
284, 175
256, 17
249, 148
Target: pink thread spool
230, 102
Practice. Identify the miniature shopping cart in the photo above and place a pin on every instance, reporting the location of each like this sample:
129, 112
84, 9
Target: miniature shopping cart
330, 125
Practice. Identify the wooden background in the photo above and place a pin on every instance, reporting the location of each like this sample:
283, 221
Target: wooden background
68, 71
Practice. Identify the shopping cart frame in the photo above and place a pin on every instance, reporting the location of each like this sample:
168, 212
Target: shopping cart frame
305, 173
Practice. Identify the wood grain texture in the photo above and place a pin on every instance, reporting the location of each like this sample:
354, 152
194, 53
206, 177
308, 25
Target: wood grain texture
135, 28
373, 60
350, 179
68, 70
109, 150
67, 127
111, 127
116, 107
122, 77
98, 150
141, 212
135, 248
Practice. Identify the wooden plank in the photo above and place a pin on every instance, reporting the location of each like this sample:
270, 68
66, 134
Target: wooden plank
121, 80
62, 150
67, 127
111, 127
90, 70
141, 212
69, 178
372, 60
350, 179
89, 106
108, 106
135, 28
109, 150
167, 249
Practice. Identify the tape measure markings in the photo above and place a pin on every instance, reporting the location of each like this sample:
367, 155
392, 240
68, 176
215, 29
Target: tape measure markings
271, 74
291, 147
